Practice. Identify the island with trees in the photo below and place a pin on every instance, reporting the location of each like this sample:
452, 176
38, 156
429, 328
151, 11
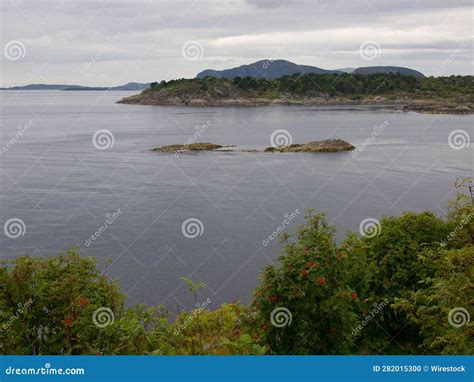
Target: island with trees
451, 95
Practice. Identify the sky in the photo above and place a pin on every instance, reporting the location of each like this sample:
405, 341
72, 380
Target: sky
107, 43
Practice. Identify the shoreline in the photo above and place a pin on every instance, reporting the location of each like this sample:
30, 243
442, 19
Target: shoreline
424, 107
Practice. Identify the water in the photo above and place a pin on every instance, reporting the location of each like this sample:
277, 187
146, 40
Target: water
62, 187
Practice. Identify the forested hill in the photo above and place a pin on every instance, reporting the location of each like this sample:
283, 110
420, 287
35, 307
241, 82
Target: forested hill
270, 69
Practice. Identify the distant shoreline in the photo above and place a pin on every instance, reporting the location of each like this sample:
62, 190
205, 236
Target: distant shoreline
130, 86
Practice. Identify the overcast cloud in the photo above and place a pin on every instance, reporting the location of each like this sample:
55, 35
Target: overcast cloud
113, 42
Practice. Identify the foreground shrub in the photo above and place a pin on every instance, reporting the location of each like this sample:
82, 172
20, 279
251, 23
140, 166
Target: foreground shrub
442, 305
461, 216
210, 332
309, 302
443, 308
396, 270
64, 305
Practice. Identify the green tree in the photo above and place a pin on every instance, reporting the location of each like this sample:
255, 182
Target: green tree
444, 307
393, 253
308, 303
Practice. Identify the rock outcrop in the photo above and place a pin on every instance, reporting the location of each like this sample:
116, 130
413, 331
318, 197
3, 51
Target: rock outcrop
324, 146
188, 147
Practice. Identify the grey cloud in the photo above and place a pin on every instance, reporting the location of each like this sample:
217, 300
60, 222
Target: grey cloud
268, 3
62, 36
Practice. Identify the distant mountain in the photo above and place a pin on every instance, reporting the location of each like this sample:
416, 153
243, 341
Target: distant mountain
37, 87
131, 86
83, 88
277, 68
388, 69
346, 70
128, 86
265, 69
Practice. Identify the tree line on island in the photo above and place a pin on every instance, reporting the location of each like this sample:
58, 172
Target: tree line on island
452, 94
347, 84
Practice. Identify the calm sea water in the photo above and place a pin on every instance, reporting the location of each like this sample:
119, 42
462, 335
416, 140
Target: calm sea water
64, 189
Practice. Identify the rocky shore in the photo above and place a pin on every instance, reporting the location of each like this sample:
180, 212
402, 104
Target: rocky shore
160, 99
438, 109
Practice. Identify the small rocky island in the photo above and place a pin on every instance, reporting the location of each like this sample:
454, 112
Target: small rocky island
323, 146
189, 147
